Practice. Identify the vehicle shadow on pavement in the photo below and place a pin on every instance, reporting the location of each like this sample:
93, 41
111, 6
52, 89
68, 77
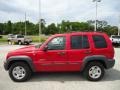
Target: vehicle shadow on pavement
57, 76
110, 75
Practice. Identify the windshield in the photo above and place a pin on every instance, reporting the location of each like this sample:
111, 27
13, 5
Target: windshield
20, 36
115, 36
11, 36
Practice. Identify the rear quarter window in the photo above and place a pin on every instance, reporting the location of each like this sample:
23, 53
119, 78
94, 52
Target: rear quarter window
99, 41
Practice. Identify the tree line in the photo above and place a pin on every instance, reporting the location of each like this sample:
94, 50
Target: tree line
64, 26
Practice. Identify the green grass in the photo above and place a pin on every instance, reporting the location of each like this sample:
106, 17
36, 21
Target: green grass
3, 39
38, 38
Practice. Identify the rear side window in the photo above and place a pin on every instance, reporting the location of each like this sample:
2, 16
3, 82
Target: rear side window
99, 41
79, 42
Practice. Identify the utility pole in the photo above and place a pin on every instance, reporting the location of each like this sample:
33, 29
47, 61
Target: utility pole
39, 20
119, 26
25, 25
119, 30
96, 2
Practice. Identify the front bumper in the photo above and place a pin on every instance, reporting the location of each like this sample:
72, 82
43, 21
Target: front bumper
5, 65
110, 63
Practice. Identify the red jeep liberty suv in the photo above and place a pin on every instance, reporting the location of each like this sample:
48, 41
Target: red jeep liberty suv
89, 52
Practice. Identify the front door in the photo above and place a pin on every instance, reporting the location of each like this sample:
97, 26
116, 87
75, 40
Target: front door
55, 55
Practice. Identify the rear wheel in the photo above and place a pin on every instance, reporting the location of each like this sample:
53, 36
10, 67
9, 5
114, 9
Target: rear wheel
28, 43
19, 72
94, 71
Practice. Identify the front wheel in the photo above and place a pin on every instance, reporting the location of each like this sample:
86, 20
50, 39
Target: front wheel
94, 71
9, 42
19, 72
19, 43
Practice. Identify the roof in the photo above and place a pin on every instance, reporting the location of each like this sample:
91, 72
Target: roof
80, 33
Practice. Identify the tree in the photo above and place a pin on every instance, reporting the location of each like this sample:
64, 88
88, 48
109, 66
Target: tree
43, 22
51, 29
100, 24
64, 26
43, 27
8, 27
67, 26
1, 28
30, 28
110, 30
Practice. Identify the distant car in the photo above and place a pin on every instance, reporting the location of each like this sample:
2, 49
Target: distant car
115, 40
18, 39
89, 52
10, 36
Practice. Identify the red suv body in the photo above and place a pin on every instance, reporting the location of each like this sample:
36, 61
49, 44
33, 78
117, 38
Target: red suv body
90, 52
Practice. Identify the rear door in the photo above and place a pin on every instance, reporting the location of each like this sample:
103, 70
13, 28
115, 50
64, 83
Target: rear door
101, 46
78, 50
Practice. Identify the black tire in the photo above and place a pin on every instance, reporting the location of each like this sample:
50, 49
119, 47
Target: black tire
19, 43
9, 42
28, 43
88, 67
28, 72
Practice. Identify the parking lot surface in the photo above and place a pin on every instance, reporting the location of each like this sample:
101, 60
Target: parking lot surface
59, 81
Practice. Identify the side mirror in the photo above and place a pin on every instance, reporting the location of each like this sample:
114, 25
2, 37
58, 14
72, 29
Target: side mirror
45, 48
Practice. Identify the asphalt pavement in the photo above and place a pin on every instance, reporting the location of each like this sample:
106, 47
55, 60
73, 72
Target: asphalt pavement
59, 81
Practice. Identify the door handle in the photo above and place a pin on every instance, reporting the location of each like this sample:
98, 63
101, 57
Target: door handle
88, 52
61, 53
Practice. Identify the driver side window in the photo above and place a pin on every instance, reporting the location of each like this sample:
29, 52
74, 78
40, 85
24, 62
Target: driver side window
57, 43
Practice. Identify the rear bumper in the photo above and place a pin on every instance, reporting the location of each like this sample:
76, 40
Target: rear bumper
110, 63
27, 41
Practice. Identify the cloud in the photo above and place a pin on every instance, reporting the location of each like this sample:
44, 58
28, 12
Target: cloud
58, 10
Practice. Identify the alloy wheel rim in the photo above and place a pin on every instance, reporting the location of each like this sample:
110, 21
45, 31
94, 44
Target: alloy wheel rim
95, 72
19, 43
19, 72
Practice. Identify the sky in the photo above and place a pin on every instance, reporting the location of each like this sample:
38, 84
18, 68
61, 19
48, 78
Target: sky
54, 11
